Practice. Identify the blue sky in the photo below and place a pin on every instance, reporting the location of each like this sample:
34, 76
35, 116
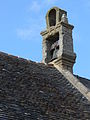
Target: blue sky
21, 22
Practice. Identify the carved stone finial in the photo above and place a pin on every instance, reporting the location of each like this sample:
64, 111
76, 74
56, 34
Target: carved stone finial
64, 18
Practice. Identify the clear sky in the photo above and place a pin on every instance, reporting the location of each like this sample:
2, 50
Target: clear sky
21, 22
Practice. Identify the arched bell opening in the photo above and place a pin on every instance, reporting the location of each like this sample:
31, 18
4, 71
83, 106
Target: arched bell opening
52, 17
53, 47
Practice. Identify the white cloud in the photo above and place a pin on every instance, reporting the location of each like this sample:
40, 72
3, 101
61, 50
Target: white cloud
50, 2
35, 6
29, 33
35, 26
24, 33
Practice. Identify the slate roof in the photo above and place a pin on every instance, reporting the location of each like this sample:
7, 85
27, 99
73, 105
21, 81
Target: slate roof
34, 91
85, 81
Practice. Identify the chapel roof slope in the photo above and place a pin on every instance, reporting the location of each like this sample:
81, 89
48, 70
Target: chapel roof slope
84, 81
34, 91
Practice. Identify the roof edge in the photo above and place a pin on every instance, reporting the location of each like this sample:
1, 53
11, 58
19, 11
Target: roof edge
75, 82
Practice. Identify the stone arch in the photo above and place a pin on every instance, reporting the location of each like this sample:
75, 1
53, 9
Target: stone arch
52, 17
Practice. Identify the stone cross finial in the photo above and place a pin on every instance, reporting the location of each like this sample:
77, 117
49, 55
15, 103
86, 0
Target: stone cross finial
64, 18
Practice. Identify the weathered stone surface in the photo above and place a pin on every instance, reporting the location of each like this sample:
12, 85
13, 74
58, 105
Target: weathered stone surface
58, 30
75, 82
34, 91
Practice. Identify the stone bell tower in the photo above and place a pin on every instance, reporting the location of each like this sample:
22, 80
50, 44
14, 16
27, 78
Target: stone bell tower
57, 40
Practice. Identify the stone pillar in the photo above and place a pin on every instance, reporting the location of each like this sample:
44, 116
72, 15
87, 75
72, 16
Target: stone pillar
67, 56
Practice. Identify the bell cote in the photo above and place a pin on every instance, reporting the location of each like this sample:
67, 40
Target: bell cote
54, 16
57, 40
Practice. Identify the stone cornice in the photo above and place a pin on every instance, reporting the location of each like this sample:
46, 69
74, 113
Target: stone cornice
55, 28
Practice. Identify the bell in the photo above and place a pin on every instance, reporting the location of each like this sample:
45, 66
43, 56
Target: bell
54, 45
54, 54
